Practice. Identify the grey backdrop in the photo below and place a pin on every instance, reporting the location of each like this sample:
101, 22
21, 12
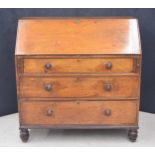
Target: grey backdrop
8, 27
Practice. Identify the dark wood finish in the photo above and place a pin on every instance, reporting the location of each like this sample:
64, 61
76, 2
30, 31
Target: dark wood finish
86, 76
24, 134
79, 126
132, 134
107, 112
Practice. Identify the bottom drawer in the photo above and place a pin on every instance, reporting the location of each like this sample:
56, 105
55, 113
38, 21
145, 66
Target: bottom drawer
78, 112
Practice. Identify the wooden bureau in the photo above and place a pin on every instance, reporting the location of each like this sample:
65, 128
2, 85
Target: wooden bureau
78, 73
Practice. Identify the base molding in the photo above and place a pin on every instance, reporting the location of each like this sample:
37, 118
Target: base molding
71, 126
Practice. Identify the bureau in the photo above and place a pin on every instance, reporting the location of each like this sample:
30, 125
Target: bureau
78, 73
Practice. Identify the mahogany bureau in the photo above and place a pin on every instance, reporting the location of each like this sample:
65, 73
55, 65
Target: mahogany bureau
78, 73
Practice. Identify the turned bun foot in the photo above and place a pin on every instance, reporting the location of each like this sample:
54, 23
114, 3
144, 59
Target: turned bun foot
24, 134
132, 135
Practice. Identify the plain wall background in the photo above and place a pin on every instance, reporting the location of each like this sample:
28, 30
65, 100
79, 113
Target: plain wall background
8, 27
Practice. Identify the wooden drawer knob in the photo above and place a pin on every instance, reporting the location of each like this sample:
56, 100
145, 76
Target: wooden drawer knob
48, 66
48, 87
107, 112
108, 87
49, 112
108, 65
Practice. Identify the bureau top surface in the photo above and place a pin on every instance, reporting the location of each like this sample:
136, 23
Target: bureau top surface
67, 36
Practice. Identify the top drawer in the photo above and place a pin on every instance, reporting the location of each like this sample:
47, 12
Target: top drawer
79, 65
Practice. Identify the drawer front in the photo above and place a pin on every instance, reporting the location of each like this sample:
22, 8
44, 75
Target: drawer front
83, 112
98, 65
107, 87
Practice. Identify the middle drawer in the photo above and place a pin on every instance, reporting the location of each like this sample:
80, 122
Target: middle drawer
103, 87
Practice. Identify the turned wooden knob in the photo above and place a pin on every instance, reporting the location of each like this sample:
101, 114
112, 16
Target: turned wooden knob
48, 66
49, 112
108, 65
107, 112
48, 87
108, 87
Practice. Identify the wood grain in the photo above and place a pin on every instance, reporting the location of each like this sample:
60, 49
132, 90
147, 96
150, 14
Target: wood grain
84, 112
78, 36
122, 86
78, 90
70, 65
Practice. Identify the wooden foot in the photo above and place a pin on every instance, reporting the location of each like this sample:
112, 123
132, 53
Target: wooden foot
132, 135
24, 134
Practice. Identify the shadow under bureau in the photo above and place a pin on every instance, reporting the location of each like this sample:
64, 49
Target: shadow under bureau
78, 73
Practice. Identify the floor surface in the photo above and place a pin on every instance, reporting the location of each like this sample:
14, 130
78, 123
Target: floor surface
9, 135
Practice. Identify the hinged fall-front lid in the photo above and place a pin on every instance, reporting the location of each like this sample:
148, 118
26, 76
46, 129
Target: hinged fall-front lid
68, 36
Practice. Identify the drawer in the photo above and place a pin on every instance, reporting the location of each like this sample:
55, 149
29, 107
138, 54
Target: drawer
82, 112
104, 87
81, 65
